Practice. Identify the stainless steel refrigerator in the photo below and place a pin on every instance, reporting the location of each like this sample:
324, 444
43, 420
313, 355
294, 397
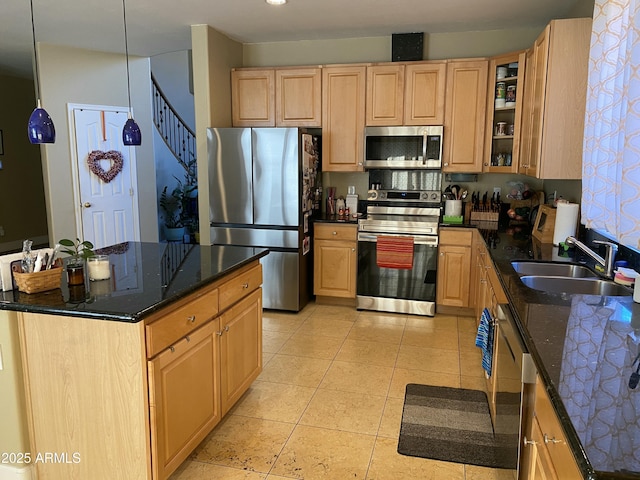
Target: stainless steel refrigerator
263, 192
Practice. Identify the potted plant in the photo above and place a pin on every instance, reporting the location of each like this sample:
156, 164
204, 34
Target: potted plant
172, 205
78, 251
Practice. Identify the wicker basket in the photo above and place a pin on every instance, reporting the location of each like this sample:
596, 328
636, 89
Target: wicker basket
38, 282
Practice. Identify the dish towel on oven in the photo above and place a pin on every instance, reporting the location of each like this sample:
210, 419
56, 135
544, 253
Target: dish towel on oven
394, 252
484, 339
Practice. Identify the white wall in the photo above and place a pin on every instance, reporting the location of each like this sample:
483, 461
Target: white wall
72, 75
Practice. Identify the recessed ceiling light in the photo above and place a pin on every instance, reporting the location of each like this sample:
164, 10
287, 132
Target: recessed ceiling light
276, 2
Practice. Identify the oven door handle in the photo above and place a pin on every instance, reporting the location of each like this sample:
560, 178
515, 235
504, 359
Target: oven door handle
425, 138
430, 241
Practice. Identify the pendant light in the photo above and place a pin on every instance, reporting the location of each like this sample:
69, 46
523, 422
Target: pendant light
40, 128
131, 134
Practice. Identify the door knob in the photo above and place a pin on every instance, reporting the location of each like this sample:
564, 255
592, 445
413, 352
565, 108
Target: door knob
86, 205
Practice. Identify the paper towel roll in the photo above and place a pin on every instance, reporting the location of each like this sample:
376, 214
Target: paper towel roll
566, 221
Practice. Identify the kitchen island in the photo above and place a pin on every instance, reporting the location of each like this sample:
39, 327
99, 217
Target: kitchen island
123, 378
584, 348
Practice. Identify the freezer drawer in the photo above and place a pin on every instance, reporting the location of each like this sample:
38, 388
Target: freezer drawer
286, 283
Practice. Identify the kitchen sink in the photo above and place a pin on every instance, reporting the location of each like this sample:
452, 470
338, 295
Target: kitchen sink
552, 269
583, 286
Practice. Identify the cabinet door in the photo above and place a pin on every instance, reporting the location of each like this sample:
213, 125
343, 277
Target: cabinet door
385, 97
424, 93
184, 397
526, 134
299, 97
335, 265
454, 264
240, 348
343, 107
541, 466
465, 116
535, 89
502, 148
253, 98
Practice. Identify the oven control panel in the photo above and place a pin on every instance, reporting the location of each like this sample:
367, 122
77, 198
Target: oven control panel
405, 195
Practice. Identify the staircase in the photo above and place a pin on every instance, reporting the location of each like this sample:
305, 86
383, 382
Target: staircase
180, 139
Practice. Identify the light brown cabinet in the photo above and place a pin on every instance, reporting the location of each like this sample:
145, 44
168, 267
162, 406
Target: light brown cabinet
454, 263
424, 93
343, 118
253, 98
335, 260
465, 115
155, 388
385, 95
554, 102
240, 348
504, 116
550, 456
406, 94
184, 397
282, 97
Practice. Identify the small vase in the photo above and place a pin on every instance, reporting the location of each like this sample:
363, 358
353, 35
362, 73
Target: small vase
75, 272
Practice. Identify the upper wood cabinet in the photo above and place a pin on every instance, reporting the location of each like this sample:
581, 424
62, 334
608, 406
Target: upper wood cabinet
465, 115
282, 97
555, 99
406, 94
385, 95
253, 98
343, 112
299, 97
502, 145
424, 92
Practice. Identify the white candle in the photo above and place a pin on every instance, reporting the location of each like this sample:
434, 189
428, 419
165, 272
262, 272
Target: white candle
99, 268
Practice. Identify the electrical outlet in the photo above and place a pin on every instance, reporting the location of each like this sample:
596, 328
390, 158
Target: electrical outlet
497, 190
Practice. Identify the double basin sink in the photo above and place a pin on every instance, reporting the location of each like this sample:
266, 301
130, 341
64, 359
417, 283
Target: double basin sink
566, 278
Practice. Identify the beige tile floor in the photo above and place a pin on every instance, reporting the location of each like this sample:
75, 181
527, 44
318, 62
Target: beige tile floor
328, 404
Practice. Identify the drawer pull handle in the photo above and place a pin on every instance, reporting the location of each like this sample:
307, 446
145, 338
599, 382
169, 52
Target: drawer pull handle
188, 338
226, 329
529, 442
219, 333
548, 439
334, 233
172, 348
192, 318
245, 285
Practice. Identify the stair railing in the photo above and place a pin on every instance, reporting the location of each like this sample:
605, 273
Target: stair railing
180, 139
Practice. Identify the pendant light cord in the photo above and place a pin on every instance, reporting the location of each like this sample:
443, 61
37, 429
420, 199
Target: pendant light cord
126, 52
35, 52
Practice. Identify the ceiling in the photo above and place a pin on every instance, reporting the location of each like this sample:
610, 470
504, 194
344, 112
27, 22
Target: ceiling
161, 26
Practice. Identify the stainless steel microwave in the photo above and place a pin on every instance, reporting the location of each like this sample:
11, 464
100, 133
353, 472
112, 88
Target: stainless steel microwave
403, 147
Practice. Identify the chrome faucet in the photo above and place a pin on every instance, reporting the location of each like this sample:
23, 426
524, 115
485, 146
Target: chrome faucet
606, 262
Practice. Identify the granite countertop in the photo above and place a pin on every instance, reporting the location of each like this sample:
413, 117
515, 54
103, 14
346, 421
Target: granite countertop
584, 347
145, 278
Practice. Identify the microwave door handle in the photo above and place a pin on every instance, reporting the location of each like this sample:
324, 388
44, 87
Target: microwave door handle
424, 147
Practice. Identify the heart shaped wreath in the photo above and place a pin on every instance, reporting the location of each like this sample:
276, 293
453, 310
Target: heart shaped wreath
112, 155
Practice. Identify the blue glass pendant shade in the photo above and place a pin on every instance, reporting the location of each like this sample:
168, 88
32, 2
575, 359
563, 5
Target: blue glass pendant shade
131, 134
40, 128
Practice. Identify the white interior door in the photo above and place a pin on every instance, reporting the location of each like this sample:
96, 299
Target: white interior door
108, 208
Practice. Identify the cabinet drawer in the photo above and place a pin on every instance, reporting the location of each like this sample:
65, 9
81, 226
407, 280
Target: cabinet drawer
455, 236
331, 231
554, 439
240, 286
175, 324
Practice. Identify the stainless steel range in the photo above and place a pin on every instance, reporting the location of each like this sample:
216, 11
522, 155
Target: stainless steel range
399, 218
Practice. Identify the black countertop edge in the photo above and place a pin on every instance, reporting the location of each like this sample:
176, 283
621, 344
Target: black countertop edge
134, 317
325, 218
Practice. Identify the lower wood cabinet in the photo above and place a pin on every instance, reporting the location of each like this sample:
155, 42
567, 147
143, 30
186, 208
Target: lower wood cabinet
550, 456
454, 265
135, 399
335, 260
184, 397
240, 348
